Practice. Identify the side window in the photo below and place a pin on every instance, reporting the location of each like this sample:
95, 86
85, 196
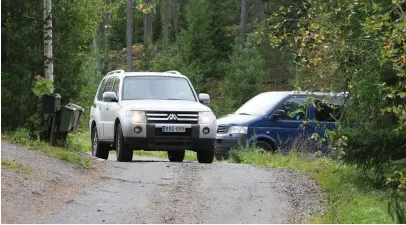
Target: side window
327, 112
101, 90
116, 86
109, 85
295, 108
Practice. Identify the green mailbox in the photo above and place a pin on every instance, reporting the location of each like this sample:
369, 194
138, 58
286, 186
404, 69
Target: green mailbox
70, 115
51, 103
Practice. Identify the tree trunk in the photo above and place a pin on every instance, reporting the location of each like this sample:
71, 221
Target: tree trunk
106, 38
129, 34
150, 27
148, 34
48, 56
145, 20
243, 21
175, 19
166, 24
258, 9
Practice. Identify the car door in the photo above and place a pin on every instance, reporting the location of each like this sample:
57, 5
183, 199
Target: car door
104, 117
110, 112
322, 116
287, 129
97, 110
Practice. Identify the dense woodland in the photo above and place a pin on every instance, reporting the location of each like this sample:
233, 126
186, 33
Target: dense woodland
230, 49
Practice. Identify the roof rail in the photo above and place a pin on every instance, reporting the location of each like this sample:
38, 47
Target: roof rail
115, 71
174, 72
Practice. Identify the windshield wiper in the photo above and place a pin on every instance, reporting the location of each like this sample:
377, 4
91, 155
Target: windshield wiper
244, 114
173, 99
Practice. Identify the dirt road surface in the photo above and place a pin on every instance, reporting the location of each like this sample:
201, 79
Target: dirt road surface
153, 191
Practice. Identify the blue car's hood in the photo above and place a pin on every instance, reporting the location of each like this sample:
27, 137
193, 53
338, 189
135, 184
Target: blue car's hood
234, 119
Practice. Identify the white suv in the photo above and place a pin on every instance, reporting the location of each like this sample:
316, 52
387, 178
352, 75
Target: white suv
157, 111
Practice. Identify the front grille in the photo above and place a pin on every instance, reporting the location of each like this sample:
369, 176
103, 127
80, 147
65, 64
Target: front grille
159, 133
222, 129
173, 117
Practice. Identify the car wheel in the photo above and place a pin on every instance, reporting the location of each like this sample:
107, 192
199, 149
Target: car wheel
176, 156
99, 150
123, 151
205, 156
264, 145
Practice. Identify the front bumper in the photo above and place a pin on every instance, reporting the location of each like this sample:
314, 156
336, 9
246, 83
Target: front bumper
225, 142
157, 140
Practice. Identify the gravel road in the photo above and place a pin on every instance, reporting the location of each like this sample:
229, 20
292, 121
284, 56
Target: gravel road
156, 191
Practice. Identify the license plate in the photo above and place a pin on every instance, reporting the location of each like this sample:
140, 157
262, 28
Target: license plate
173, 129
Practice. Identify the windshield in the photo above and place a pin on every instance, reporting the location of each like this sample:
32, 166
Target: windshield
157, 87
261, 104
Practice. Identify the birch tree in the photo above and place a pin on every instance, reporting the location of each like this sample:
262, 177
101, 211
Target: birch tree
48, 56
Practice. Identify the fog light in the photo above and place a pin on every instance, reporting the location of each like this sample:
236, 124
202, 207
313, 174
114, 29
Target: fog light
137, 130
206, 130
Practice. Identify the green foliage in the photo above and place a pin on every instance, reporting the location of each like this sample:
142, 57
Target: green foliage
75, 24
195, 46
43, 87
356, 46
244, 77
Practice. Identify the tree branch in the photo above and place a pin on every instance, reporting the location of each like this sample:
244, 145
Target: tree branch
33, 18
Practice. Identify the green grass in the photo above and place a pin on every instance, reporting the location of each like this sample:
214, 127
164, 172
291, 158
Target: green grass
351, 196
71, 153
18, 167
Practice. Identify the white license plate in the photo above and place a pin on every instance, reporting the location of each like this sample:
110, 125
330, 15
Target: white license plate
173, 129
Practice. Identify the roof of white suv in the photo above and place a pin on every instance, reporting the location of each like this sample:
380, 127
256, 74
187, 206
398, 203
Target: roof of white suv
122, 73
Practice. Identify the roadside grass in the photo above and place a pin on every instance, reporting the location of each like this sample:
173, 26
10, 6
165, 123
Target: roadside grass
351, 196
18, 167
72, 153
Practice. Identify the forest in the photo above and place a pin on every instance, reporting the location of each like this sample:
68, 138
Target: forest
230, 49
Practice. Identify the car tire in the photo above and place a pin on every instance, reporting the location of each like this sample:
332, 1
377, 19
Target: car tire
123, 151
176, 156
205, 156
99, 150
264, 145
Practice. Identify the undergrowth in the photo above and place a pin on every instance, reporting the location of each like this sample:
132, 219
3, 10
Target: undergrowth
351, 194
72, 153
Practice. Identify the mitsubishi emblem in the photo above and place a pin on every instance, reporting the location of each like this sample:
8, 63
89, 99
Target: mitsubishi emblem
172, 117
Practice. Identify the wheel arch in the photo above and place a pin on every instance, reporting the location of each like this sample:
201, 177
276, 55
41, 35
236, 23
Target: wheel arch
264, 138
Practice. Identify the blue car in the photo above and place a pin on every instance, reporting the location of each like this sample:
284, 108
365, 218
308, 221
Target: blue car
273, 120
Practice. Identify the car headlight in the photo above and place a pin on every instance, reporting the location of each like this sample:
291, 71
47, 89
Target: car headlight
137, 116
238, 130
206, 117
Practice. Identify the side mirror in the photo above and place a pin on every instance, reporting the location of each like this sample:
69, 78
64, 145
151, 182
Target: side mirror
110, 96
204, 98
277, 115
